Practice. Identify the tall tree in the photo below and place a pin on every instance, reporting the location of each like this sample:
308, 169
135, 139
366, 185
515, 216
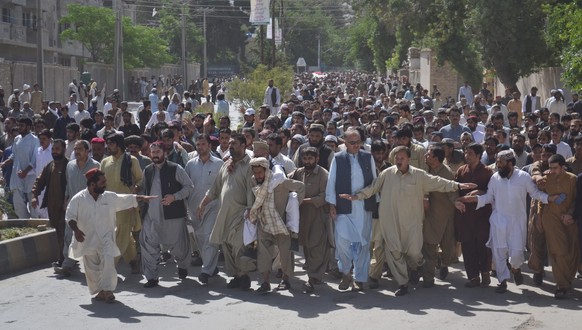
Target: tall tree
564, 36
509, 36
94, 27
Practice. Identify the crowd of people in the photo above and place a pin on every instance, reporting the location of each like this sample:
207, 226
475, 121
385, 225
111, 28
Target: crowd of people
363, 176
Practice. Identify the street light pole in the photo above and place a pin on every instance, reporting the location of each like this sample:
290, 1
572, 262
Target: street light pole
118, 50
204, 53
319, 52
39, 50
116, 43
184, 60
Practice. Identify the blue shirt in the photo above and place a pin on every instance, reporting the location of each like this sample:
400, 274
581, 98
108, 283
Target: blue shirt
454, 132
154, 102
23, 155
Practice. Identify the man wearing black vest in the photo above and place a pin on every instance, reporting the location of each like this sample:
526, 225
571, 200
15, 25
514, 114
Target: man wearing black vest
353, 219
272, 98
531, 102
164, 223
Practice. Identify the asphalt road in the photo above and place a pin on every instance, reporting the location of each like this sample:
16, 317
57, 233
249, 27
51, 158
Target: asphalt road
39, 299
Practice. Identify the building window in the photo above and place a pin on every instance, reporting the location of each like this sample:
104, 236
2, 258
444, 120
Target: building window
6, 15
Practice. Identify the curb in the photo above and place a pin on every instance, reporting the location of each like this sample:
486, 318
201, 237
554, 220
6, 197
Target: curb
20, 253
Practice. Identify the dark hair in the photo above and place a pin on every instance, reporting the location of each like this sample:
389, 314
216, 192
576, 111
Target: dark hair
147, 137
134, 140
311, 151
402, 148
477, 149
85, 143
275, 137
438, 152
492, 138
249, 130
225, 117
496, 116
404, 133
74, 127
59, 141
551, 148
521, 136
558, 126
557, 158
239, 137
87, 123
502, 132
286, 132
117, 139
95, 177
167, 133
204, 136
27, 121
378, 145
47, 133
225, 131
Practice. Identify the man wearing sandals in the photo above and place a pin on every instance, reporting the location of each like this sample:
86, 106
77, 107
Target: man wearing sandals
268, 212
91, 216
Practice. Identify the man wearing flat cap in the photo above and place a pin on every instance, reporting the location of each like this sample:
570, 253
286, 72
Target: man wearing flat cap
507, 191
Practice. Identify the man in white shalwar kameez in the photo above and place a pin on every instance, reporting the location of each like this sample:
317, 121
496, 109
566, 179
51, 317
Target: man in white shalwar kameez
91, 216
507, 192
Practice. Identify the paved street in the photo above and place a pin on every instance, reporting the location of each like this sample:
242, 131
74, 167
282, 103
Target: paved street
39, 299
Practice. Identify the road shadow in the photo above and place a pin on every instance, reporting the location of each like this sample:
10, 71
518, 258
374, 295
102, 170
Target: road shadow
118, 310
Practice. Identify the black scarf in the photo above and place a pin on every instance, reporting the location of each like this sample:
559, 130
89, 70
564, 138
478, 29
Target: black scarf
126, 176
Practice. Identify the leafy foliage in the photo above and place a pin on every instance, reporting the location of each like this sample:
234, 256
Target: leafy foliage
470, 34
564, 36
94, 27
250, 91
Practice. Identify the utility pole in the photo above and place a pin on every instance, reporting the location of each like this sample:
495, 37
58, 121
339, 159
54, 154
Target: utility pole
117, 42
39, 50
121, 61
262, 42
273, 43
184, 59
281, 24
205, 43
319, 51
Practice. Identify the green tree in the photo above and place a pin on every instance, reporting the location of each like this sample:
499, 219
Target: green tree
564, 36
170, 29
250, 91
94, 27
509, 37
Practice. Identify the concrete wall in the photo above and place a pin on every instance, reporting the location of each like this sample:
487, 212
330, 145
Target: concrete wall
545, 80
57, 78
448, 80
104, 73
444, 76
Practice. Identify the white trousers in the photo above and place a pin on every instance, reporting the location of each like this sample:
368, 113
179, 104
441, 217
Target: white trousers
100, 272
500, 255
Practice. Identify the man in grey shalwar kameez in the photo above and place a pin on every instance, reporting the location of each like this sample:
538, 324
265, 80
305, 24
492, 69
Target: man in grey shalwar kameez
203, 170
164, 223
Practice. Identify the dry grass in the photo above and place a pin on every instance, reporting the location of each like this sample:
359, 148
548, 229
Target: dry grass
8, 233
